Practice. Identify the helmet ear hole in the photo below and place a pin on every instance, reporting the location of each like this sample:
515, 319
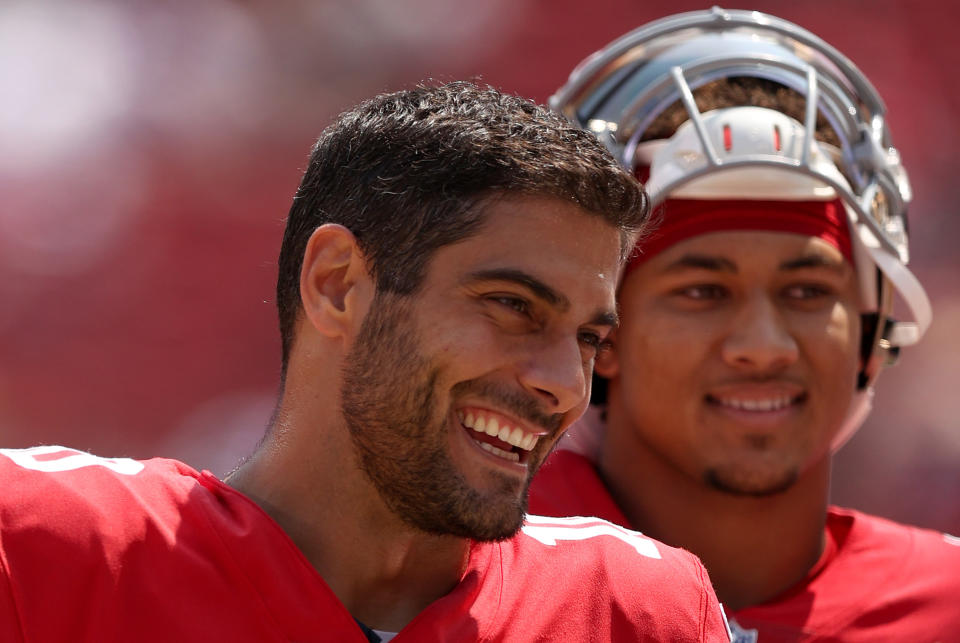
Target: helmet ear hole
881, 354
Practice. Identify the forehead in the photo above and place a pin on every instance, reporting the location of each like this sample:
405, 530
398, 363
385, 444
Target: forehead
553, 241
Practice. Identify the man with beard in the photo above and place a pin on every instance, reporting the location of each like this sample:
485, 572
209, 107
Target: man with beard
755, 321
446, 281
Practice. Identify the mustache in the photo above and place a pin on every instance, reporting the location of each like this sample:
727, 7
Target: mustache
521, 404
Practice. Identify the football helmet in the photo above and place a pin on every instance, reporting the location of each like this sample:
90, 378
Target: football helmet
744, 152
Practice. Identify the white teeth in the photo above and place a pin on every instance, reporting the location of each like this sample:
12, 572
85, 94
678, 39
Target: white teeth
757, 405
491, 426
508, 455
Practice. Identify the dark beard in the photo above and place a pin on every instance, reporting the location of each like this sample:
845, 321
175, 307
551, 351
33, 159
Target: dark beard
400, 436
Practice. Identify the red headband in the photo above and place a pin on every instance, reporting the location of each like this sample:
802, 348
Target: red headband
685, 218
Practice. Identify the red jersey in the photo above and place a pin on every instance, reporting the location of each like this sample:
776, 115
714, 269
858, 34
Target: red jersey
100, 550
876, 580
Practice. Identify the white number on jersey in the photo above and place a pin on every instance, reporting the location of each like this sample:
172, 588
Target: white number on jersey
69, 460
549, 530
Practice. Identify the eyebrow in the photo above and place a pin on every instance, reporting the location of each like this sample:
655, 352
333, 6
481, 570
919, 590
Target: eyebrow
701, 262
813, 261
540, 290
722, 264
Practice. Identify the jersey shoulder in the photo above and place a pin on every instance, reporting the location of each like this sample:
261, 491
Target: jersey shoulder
79, 532
882, 544
883, 581
580, 527
57, 489
67, 510
903, 562
585, 567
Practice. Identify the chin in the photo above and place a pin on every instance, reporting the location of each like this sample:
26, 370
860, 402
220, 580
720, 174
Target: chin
740, 483
498, 519
488, 523
452, 507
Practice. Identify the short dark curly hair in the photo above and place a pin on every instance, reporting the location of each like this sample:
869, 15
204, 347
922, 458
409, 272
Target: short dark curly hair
407, 172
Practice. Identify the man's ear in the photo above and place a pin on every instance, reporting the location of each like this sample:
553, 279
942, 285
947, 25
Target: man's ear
335, 286
608, 364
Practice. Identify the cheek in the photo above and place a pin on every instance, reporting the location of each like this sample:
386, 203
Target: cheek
467, 348
657, 355
459, 330
842, 335
832, 350
665, 338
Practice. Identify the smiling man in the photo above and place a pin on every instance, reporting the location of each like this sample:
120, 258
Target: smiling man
446, 280
755, 321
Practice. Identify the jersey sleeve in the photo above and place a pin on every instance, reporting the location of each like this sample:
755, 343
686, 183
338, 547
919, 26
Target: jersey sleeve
112, 549
63, 519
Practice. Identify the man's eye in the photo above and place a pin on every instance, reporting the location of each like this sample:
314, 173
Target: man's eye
515, 303
594, 341
807, 291
703, 292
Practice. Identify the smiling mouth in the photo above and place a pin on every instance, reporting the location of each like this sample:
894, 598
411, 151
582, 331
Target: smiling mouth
757, 404
497, 436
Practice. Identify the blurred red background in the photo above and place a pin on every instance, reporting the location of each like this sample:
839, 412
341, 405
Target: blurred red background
149, 152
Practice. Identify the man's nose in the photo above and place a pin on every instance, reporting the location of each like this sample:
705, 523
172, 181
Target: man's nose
759, 338
555, 373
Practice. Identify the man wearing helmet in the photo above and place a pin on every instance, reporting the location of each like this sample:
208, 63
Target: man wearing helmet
754, 323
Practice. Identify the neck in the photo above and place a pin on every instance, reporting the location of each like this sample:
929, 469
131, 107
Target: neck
754, 548
305, 477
